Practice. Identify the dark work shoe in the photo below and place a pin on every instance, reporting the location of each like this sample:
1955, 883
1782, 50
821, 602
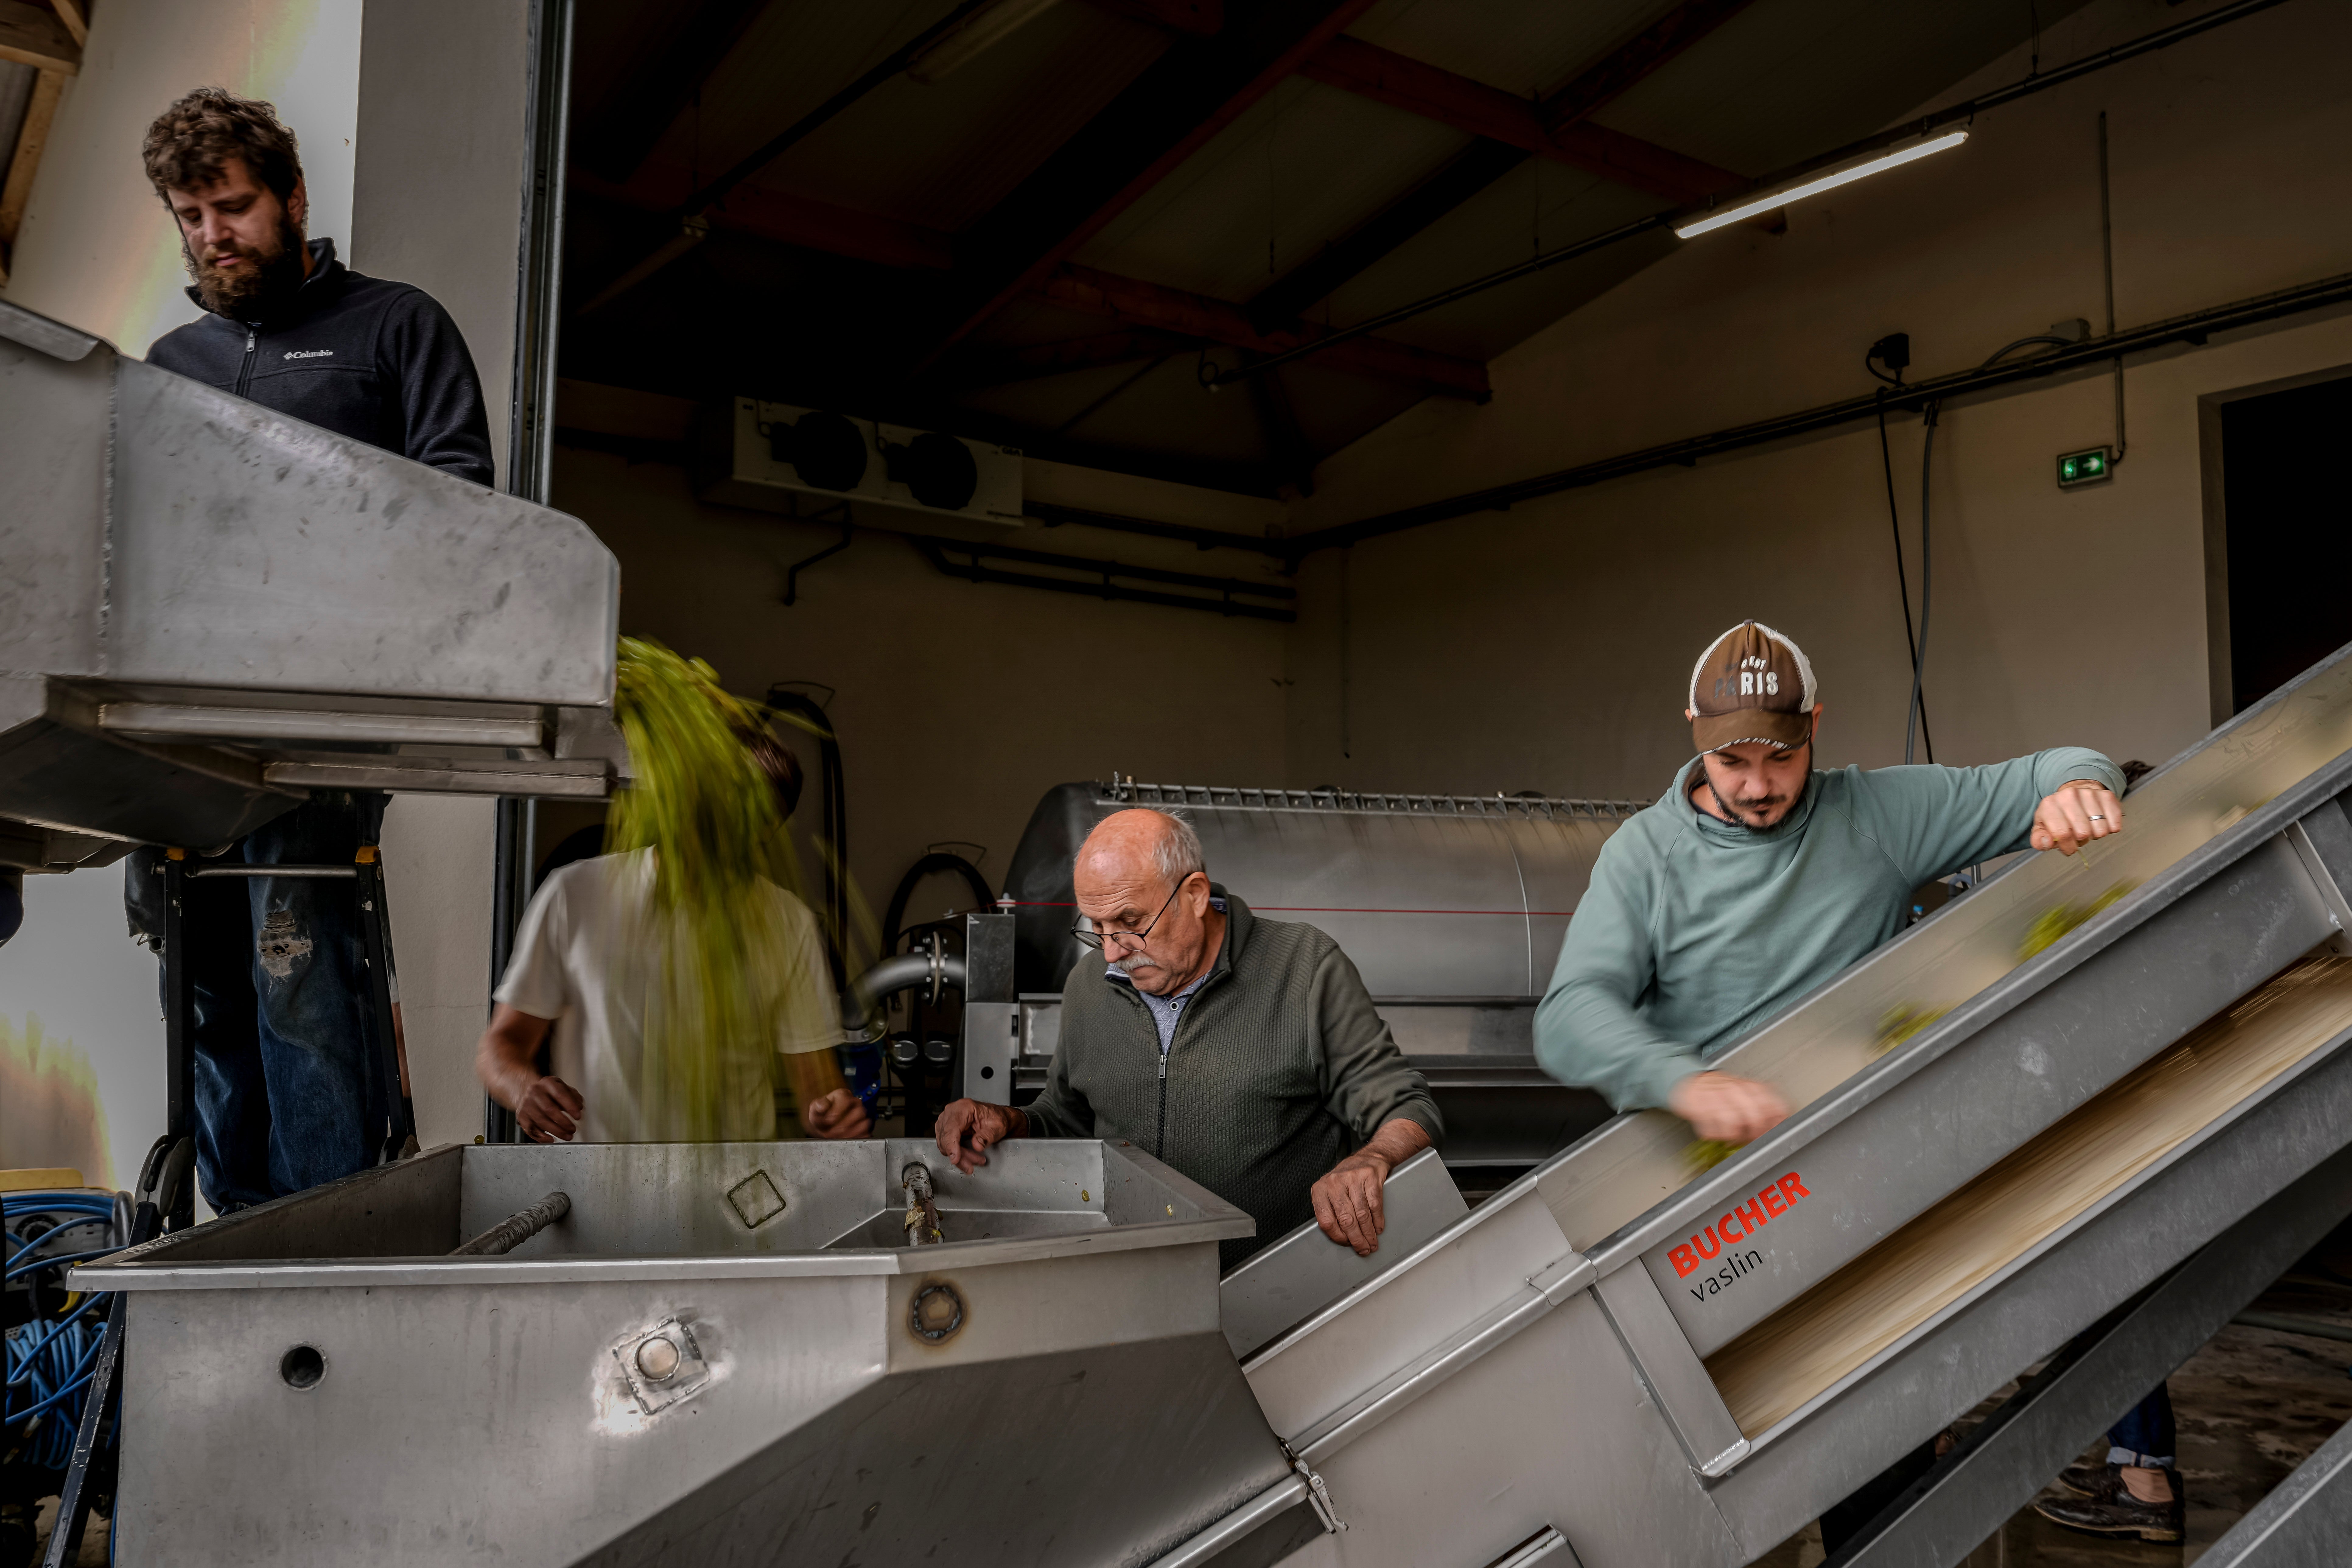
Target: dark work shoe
2091, 1481
2117, 1513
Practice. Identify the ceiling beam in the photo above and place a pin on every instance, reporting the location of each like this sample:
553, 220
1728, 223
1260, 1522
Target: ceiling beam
32, 36
75, 14
1487, 161
1387, 76
617, 138
1182, 100
1621, 68
1139, 304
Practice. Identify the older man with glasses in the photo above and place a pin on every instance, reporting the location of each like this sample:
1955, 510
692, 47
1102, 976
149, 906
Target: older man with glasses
1245, 1052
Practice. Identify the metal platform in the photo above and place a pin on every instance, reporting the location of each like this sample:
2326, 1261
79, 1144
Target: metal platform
212, 609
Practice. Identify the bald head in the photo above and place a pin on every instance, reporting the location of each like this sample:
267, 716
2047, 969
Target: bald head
1140, 884
1142, 844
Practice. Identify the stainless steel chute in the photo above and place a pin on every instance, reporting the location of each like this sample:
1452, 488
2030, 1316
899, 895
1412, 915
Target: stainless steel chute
211, 609
718, 1353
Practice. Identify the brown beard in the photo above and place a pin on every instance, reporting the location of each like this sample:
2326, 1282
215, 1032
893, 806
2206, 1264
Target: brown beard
250, 293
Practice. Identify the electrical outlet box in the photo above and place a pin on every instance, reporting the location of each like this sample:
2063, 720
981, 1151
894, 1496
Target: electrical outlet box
2084, 467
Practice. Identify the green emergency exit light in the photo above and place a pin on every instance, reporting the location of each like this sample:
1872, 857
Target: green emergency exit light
2082, 468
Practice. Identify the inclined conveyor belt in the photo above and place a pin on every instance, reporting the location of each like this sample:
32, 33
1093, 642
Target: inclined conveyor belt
2012, 1121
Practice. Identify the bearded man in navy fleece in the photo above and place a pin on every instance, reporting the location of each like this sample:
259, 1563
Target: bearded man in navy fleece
282, 1045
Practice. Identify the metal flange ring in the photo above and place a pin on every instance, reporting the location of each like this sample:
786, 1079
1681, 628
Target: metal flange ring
936, 1314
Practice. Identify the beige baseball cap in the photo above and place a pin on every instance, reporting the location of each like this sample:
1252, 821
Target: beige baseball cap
1753, 685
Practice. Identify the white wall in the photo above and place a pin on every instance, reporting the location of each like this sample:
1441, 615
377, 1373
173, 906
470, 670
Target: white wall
1548, 648
443, 116
98, 250
443, 120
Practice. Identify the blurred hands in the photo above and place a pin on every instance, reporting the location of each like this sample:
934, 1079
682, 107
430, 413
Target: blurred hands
1728, 1109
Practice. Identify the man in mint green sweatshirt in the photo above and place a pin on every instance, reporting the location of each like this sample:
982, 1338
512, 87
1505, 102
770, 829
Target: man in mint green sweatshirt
1759, 875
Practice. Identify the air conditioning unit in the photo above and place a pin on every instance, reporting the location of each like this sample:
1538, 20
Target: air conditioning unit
770, 456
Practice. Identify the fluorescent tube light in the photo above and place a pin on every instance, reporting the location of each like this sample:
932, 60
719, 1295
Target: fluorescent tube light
1819, 183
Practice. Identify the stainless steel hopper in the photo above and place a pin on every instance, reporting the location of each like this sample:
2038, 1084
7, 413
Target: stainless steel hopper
709, 1360
210, 609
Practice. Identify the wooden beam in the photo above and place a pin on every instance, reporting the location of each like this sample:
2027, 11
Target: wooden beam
1139, 304
76, 16
31, 138
647, 101
1652, 46
1387, 76
1193, 91
32, 36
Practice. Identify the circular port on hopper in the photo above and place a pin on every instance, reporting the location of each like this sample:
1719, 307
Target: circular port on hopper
657, 1358
302, 1367
937, 1314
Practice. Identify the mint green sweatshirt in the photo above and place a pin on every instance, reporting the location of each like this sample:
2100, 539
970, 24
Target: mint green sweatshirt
1695, 930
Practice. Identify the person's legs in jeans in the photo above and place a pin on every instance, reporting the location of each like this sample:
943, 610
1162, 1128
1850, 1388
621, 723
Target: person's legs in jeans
315, 1024
232, 1101
2146, 1437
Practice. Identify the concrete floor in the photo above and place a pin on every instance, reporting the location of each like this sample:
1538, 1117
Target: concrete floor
2251, 1405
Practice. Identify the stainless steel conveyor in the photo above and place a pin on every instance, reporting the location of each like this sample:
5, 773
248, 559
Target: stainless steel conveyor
210, 609
1545, 1363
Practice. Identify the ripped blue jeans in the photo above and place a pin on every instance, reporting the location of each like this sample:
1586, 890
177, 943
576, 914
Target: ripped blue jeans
284, 1036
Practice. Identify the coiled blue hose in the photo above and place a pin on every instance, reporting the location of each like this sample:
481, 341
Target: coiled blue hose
49, 1360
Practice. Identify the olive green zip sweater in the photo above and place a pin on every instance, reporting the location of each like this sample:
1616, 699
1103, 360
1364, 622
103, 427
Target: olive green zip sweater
1279, 1066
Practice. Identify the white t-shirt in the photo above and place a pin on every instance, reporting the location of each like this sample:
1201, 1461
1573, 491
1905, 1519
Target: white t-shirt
583, 958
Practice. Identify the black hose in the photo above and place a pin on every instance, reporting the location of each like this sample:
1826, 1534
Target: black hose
832, 822
1903, 585
1919, 661
937, 861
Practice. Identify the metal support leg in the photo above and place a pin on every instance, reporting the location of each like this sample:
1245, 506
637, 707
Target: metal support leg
179, 1029
1998, 1466
2303, 1523
375, 924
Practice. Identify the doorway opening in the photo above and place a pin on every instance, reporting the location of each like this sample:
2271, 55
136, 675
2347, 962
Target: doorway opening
2285, 544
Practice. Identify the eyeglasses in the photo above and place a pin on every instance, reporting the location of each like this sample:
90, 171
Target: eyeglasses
1090, 938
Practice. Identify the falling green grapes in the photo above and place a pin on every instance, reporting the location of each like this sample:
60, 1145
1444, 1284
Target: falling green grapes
721, 979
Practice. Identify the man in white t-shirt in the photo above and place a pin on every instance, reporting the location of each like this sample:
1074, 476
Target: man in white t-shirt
583, 966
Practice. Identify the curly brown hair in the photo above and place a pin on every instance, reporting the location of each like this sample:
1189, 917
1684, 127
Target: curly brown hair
191, 144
